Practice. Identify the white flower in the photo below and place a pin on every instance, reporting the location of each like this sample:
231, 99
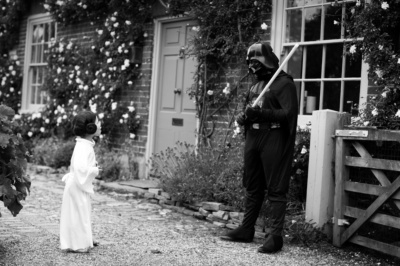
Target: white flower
378, 73
84, 6
131, 108
353, 49
132, 136
366, 123
47, 121
128, 22
10, 68
69, 46
123, 67
114, 106
264, 26
303, 150
125, 116
398, 113
59, 120
86, 87
121, 121
30, 134
113, 19
335, 22
94, 82
101, 115
380, 47
46, 6
210, 92
112, 33
358, 3
17, 117
227, 89
374, 112
119, 49
59, 70
194, 28
398, 61
107, 53
126, 51
236, 124
42, 129
109, 60
107, 94
100, 32
11, 89
384, 5
107, 43
77, 68
126, 62
384, 94
130, 82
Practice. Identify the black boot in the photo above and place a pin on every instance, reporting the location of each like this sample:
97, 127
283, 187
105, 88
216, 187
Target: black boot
272, 244
239, 234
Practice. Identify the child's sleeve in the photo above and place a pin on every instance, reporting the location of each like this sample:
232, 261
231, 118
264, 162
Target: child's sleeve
86, 170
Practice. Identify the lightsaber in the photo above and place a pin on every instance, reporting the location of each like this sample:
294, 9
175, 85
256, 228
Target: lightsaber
276, 74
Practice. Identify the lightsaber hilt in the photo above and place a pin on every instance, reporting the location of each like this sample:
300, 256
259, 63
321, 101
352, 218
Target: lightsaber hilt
275, 74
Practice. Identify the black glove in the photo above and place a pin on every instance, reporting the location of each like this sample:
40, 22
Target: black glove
241, 119
253, 112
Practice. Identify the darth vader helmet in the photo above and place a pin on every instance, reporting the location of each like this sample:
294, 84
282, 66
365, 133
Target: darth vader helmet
260, 58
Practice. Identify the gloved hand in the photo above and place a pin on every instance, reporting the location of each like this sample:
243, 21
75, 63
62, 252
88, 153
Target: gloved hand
240, 119
253, 112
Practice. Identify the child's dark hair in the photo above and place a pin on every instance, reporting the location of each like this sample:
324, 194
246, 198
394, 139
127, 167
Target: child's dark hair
84, 124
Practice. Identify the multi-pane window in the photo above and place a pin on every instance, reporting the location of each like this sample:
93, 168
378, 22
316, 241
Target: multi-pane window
324, 76
40, 32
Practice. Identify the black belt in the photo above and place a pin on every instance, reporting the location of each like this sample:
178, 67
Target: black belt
264, 126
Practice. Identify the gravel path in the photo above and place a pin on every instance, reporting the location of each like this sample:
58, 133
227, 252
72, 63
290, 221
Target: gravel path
134, 232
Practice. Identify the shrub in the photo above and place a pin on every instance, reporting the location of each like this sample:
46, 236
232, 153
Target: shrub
63, 154
212, 173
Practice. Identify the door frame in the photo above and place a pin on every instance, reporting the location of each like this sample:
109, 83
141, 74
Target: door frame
154, 96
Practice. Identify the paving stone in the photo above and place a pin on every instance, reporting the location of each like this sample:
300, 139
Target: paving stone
211, 206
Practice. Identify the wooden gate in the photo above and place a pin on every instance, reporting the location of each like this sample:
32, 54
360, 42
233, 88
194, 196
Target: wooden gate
367, 195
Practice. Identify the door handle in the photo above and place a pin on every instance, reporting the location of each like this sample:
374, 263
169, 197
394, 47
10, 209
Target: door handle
177, 91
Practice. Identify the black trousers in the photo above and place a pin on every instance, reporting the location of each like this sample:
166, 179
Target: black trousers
265, 163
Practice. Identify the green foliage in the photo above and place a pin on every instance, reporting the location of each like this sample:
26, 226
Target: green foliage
212, 173
14, 182
10, 82
298, 230
62, 155
109, 160
378, 23
11, 12
299, 175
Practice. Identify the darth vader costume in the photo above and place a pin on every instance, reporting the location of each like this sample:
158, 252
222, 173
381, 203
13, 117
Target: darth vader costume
270, 135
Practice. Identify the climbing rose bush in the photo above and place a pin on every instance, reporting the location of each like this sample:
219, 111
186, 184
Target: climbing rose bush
377, 27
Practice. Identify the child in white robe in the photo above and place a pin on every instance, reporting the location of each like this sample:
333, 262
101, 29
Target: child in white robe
75, 221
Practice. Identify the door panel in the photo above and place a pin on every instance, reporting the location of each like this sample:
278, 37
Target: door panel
176, 112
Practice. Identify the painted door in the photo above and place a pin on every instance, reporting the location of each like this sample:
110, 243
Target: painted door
176, 112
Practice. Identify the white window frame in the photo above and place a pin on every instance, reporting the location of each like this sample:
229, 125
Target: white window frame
278, 27
26, 106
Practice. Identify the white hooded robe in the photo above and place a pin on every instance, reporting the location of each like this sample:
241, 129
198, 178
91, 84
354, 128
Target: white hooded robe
75, 221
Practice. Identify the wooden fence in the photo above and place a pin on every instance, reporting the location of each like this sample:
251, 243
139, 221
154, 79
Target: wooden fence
367, 196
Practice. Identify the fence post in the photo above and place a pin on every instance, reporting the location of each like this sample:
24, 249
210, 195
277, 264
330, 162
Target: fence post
321, 186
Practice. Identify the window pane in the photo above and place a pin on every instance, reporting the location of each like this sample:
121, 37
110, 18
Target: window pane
298, 90
311, 95
34, 74
334, 55
34, 34
294, 3
348, 13
33, 54
353, 67
40, 36
314, 61
295, 63
38, 94
33, 94
333, 22
331, 96
293, 25
313, 24
40, 75
39, 53
46, 32
53, 30
351, 95
313, 2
